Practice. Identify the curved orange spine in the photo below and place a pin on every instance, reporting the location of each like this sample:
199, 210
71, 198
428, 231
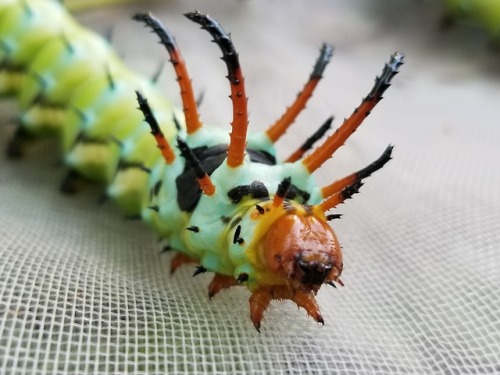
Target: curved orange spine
344, 182
327, 149
239, 124
275, 131
189, 105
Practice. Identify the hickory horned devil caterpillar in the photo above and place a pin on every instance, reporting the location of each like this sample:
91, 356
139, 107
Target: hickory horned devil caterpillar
223, 202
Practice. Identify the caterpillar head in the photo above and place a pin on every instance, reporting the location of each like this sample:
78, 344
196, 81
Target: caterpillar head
301, 249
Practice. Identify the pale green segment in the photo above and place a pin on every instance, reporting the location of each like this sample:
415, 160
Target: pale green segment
481, 12
111, 120
24, 29
60, 67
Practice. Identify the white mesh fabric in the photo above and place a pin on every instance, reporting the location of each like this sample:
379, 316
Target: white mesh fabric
83, 291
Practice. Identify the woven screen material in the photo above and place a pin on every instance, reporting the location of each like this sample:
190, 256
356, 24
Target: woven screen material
83, 291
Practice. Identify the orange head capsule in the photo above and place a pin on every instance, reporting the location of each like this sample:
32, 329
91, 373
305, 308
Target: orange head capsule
302, 249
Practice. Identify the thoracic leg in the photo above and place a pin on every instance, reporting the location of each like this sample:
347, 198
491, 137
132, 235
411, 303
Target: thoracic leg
262, 297
220, 282
180, 259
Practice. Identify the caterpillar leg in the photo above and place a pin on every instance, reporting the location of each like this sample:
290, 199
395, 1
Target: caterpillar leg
262, 297
72, 183
220, 282
18, 143
180, 259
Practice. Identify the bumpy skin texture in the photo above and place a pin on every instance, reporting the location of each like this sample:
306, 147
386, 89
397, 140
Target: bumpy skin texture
485, 13
223, 201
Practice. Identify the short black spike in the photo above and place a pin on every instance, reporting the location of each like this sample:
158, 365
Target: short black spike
199, 270
109, 76
194, 229
283, 187
200, 98
177, 123
331, 284
260, 209
155, 208
157, 74
166, 249
148, 113
191, 158
333, 217
242, 277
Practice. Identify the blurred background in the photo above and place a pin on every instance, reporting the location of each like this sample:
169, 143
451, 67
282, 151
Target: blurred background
83, 291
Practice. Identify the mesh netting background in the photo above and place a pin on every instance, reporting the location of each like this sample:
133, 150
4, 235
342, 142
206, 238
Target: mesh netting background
83, 291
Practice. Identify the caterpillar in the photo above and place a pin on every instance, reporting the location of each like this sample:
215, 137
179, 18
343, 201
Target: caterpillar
485, 13
224, 202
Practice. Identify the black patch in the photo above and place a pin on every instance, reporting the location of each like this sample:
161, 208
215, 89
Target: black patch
260, 209
237, 239
188, 190
256, 190
283, 187
301, 196
194, 229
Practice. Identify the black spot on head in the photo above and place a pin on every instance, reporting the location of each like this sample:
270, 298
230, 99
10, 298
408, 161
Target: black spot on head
313, 272
256, 190
297, 194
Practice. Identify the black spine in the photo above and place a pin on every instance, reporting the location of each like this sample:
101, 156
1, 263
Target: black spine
384, 80
376, 165
222, 39
148, 114
191, 158
166, 38
317, 135
325, 55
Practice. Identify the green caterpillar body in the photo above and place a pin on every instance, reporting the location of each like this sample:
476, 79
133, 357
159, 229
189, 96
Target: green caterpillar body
257, 221
485, 13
